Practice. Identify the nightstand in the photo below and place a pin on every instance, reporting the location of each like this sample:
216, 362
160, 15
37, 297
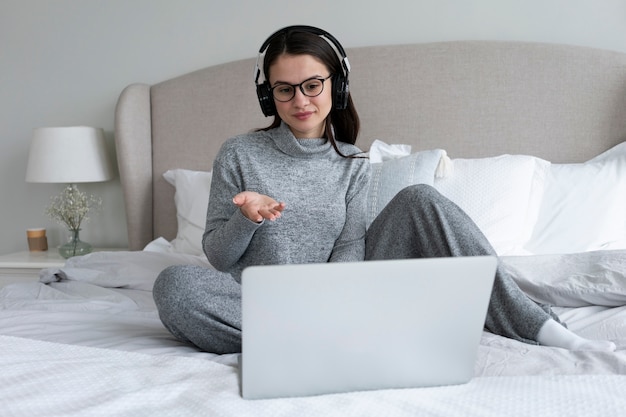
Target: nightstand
25, 266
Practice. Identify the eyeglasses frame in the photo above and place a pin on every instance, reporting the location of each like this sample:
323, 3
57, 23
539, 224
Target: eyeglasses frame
299, 87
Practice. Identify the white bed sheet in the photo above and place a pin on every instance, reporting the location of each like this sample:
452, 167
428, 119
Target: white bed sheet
48, 379
75, 330
126, 320
85, 314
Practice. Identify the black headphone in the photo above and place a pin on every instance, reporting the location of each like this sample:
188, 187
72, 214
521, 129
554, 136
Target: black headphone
341, 89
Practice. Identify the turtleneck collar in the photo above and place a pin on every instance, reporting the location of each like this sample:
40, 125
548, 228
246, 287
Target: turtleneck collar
288, 143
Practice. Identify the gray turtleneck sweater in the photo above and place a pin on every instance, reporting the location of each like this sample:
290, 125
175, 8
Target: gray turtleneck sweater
325, 195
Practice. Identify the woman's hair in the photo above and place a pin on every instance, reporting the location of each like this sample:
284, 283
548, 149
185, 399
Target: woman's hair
341, 125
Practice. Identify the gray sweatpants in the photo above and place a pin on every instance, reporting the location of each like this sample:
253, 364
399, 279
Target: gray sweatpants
203, 306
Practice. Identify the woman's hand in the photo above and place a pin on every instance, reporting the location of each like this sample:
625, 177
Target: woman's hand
257, 207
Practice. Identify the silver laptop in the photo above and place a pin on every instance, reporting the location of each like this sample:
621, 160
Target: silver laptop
339, 327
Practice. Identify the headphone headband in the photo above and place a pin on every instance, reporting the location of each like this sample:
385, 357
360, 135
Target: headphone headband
341, 89
332, 41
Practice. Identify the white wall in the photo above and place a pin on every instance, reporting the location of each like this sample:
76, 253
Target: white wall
64, 62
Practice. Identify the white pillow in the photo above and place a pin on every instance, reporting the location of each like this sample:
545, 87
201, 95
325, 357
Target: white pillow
392, 175
501, 194
381, 151
191, 199
584, 206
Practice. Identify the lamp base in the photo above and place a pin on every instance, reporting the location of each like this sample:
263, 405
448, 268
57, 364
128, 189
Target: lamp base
75, 246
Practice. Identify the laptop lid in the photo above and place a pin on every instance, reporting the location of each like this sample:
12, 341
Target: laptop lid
338, 327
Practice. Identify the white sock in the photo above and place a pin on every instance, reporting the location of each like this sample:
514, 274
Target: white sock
554, 334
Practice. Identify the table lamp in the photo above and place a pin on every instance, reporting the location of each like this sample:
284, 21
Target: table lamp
70, 155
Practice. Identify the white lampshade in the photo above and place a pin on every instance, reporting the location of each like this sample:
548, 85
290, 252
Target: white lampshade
68, 155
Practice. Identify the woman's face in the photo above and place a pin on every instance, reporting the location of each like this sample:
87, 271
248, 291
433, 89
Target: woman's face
304, 115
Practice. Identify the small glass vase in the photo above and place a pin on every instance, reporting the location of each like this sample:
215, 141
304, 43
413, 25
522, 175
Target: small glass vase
75, 246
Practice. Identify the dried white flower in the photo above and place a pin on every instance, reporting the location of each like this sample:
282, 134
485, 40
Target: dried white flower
72, 206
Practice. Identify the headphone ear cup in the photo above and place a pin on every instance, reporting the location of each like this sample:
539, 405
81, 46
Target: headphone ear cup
341, 92
266, 100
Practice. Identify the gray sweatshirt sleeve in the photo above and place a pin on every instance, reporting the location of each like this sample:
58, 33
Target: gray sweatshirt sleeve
228, 232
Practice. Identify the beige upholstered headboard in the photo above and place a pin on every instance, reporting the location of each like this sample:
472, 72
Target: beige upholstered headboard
471, 98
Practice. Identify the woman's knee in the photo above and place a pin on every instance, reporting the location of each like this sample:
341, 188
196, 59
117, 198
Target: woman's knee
416, 195
175, 288
165, 283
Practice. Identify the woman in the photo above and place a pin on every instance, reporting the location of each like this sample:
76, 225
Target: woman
296, 191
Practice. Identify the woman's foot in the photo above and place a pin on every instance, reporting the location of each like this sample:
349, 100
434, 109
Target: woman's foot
554, 334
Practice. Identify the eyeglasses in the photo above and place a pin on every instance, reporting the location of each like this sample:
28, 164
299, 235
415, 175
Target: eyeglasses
312, 87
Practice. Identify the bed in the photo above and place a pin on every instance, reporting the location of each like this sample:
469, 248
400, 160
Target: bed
528, 138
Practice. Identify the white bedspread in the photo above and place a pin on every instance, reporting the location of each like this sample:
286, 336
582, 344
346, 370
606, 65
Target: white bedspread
50, 379
89, 342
